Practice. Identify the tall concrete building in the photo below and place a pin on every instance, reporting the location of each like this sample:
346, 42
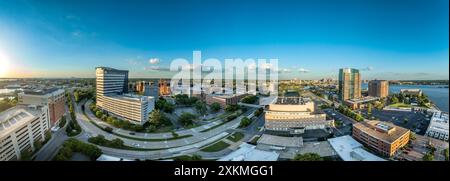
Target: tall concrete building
53, 98
21, 127
379, 88
112, 86
349, 84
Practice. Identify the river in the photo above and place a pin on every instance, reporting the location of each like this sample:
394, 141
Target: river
435, 93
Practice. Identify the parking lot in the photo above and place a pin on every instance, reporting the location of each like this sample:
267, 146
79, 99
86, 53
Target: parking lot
343, 123
415, 121
420, 146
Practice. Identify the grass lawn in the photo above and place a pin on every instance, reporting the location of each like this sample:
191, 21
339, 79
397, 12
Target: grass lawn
216, 147
400, 105
163, 129
221, 116
235, 137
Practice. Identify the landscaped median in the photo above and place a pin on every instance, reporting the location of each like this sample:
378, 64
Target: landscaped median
117, 143
109, 130
227, 119
219, 146
235, 137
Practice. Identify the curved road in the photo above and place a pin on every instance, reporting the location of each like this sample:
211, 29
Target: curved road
167, 148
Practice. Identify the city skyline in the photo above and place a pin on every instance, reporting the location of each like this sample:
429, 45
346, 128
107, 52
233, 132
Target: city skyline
312, 40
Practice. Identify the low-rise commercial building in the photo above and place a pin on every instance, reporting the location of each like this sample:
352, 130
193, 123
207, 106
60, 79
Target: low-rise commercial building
349, 149
412, 92
247, 152
360, 103
382, 137
294, 115
20, 128
224, 99
129, 107
52, 98
438, 127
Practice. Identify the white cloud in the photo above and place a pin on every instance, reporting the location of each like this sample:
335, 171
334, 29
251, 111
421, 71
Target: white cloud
285, 70
153, 61
76, 33
303, 70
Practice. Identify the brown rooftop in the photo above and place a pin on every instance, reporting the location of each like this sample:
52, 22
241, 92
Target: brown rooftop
381, 130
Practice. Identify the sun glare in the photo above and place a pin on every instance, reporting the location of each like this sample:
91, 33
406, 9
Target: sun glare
4, 64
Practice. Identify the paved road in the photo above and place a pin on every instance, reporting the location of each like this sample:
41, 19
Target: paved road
92, 130
347, 123
49, 150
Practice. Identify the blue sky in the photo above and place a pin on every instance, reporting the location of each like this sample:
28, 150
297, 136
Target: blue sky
386, 39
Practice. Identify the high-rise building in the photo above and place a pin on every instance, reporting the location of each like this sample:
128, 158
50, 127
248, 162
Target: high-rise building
349, 84
110, 82
379, 88
112, 85
164, 87
21, 127
53, 98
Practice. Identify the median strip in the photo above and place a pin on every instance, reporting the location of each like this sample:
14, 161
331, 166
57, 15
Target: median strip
136, 138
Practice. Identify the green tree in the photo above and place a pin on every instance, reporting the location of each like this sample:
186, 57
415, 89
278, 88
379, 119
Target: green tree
308, 157
186, 119
196, 157
428, 157
215, 107
369, 109
117, 143
231, 108
99, 114
394, 100
201, 107
155, 117
259, 111
244, 122
446, 154
251, 99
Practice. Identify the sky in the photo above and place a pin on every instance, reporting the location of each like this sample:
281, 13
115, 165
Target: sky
312, 39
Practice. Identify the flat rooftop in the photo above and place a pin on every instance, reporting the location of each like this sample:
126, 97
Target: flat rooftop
128, 97
225, 96
292, 100
363, 99
17, 116
381, 130
42, 91
247, 152
439, 122
280, 141
351, 150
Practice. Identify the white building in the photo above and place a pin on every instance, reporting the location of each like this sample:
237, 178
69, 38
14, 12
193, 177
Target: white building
438, 127
351, 150
112, 86
20, 128
293, 115
247, 152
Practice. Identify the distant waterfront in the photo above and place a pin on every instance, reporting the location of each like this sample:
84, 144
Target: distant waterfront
437, 95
